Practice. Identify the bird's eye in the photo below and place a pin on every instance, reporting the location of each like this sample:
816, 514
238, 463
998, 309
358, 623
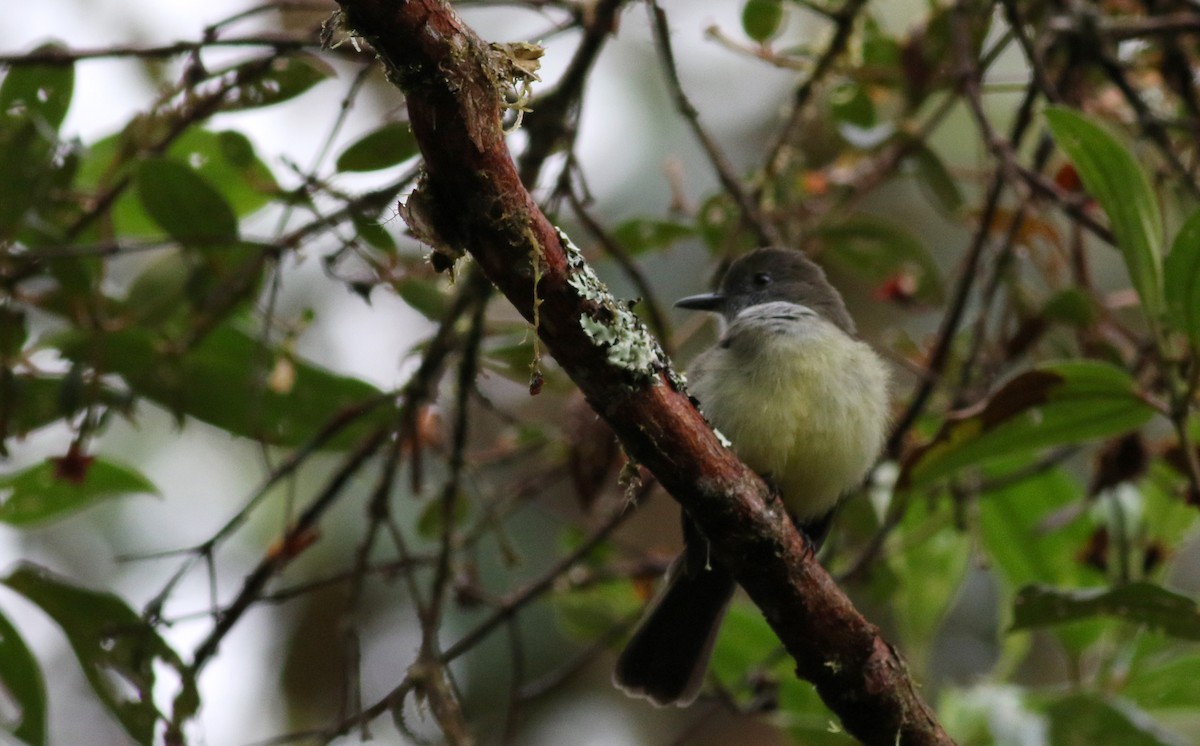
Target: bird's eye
762, 279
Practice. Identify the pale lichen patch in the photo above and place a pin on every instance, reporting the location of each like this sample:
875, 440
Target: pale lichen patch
628, 344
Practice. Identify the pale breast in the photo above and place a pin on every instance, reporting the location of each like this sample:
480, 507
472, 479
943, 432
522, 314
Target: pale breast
802, 403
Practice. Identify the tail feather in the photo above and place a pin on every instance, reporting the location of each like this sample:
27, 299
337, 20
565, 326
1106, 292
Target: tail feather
667, 655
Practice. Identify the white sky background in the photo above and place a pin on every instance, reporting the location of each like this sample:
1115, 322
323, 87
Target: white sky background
204, 474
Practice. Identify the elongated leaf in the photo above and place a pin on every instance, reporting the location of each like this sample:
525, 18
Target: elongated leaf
744, 642
287, 78
220, 382
1140, 603
431, 522
23, 157
116, 648
1056, 404
159, 292
225, 160
28, 402
1012, 531
1169, 684
1182, 274
425, 295
39, 93
387, 146
47, 491
921, 599
935, 179
371, 230
33, 102
184, 204
746, 655
1120, 185
23, 683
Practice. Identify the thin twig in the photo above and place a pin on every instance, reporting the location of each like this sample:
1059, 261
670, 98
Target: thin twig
764, 230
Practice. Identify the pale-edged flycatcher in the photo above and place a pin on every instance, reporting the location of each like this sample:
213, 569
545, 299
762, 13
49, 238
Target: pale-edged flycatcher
805, 404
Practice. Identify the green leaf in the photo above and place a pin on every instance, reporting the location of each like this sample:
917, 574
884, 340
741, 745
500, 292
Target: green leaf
39, 93
719, 225
184, 204
1140, 603
850, 103
1182, 273
1071, 306
639, 235
391, 144
879, 250
880, 50
13, 331
221, 382
23, 156
1120, 185
1055, 404
371, 230
116, 648
1012, 530
225, 160
590, 613
1085, 719
746, 646
22, 681
28, 402
33, 103
803, 715
761, 19
1164, 517
43, 493
424, 295
934, 178
159, 292
920, 598
747, 658
1168, 685
431, 521
286, 78
1013, 527
105, 163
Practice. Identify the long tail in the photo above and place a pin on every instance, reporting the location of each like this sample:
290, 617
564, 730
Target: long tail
667, 656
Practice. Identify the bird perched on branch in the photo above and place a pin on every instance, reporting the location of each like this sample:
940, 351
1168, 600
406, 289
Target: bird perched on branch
805, 404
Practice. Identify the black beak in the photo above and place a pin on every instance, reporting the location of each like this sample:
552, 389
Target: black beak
705, 302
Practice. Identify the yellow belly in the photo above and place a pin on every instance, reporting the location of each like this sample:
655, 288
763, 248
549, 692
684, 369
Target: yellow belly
805, 407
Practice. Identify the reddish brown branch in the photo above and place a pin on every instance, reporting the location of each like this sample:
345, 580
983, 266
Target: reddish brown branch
473, 200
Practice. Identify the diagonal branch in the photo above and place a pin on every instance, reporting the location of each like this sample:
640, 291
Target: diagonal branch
472, 200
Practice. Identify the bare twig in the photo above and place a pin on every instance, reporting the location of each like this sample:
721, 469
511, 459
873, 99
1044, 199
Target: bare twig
764, 230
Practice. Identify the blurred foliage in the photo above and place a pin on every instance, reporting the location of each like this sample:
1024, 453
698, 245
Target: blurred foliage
1045, 413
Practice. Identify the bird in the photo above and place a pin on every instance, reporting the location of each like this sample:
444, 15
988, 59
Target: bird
804, 402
